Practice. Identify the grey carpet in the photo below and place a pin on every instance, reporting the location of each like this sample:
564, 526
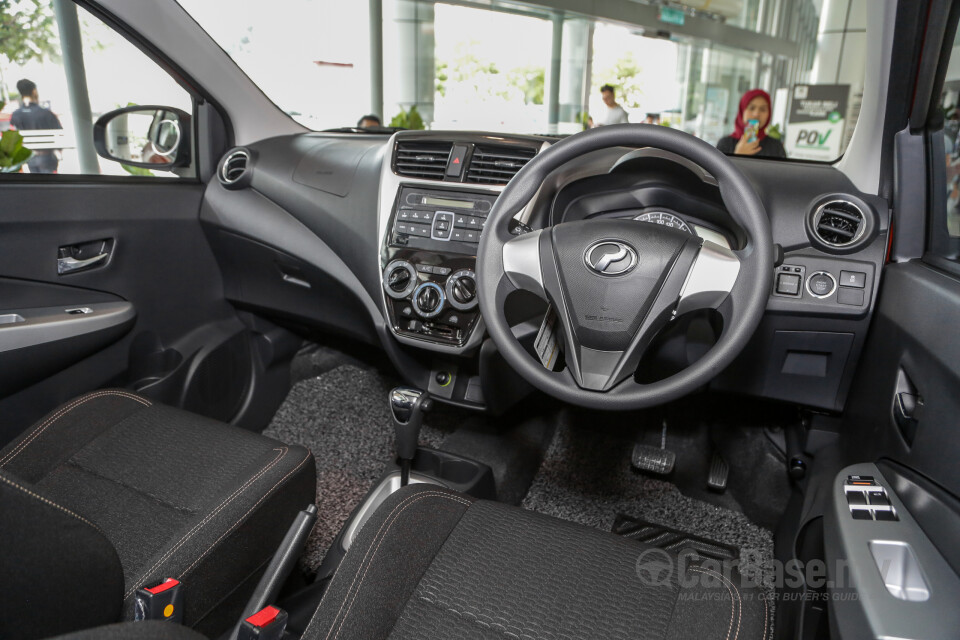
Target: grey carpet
586, 477
343, 417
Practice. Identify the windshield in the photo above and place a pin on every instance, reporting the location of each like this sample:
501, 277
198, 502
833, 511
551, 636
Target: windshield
770, 78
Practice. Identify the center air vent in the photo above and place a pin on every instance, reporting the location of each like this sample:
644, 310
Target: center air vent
235, 169
426, 160
496, 165
839, 223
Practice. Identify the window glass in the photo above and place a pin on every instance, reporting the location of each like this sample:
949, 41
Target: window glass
950, 105
115, 73
796, 65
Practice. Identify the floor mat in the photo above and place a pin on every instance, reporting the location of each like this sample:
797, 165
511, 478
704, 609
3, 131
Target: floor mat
343, 417
673, 540
586, 477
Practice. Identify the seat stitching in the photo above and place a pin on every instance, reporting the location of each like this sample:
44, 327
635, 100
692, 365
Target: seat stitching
62, 412
244, 516
733, 603
282, 452
766, 618
739, 603
97, 474
51, 503
388, 519
363, 578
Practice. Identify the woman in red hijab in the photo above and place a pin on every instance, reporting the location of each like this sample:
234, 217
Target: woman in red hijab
745, 141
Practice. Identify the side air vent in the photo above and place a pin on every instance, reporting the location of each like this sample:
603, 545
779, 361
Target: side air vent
426, 160
496, 165
235, 169
839, 223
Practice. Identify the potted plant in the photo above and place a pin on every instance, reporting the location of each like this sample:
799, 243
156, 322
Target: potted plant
12, 152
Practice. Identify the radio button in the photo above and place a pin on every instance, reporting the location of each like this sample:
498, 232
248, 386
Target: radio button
420, 230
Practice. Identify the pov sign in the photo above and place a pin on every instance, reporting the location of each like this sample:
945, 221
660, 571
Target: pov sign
815, 124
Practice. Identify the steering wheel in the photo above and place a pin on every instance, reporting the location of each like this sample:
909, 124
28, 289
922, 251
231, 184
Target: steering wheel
614, 284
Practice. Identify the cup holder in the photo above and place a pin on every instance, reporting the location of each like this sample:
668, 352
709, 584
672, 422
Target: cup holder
458, 471
155, 367
461, 474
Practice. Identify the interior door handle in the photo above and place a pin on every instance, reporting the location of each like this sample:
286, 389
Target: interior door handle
84, 255
69, 264
906, 413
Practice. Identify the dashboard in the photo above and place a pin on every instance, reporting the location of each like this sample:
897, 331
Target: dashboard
374, 238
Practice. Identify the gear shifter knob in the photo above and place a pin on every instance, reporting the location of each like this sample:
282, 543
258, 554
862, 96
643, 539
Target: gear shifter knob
408, 406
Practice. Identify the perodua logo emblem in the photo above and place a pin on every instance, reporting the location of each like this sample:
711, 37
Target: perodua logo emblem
610, 257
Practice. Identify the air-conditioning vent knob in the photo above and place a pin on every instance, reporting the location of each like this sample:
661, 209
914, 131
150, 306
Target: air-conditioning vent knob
399, 279
462, 289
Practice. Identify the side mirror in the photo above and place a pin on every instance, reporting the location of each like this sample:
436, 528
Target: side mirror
150, 137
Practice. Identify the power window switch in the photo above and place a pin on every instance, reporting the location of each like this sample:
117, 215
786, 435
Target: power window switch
788, 284
862, 514
878, 498
887, 516
856, 497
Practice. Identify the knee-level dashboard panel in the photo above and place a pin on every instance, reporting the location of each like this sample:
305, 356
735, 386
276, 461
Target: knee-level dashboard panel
375, 238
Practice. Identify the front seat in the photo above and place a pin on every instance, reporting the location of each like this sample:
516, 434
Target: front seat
432, 563
112, 492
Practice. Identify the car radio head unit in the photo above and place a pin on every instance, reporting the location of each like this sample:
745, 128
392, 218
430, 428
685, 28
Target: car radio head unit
439, 220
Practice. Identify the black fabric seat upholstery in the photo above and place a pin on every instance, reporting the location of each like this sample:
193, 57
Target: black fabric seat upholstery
112, 492
432, 563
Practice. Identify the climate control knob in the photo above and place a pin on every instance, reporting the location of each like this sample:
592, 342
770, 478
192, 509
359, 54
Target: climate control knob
428, 299
462, 289
399, 279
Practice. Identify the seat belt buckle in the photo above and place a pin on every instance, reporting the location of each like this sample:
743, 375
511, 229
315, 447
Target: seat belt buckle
267, 624
160, 602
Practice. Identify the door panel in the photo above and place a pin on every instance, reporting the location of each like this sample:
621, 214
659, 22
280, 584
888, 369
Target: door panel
913, 344
900, 433
160, 269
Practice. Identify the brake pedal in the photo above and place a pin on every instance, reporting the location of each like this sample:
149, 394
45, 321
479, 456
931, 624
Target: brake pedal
653, 459
719, 471
658, 460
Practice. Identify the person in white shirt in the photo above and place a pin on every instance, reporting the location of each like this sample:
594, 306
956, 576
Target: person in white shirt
614, 112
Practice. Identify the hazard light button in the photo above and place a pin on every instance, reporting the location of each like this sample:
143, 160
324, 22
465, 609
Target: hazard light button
455, 163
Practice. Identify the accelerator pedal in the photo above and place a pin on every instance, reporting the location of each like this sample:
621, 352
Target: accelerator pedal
719, 472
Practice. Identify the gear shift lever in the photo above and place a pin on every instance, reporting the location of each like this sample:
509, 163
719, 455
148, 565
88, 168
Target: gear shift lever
408, 406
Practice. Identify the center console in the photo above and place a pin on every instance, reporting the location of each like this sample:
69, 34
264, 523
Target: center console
428, 259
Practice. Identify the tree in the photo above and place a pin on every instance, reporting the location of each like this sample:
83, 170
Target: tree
468, 71
624, 75
529, 80
27, 32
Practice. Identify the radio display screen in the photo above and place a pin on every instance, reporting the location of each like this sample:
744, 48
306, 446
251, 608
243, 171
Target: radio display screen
447, 202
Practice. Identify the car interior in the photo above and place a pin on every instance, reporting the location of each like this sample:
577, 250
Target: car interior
380, 382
